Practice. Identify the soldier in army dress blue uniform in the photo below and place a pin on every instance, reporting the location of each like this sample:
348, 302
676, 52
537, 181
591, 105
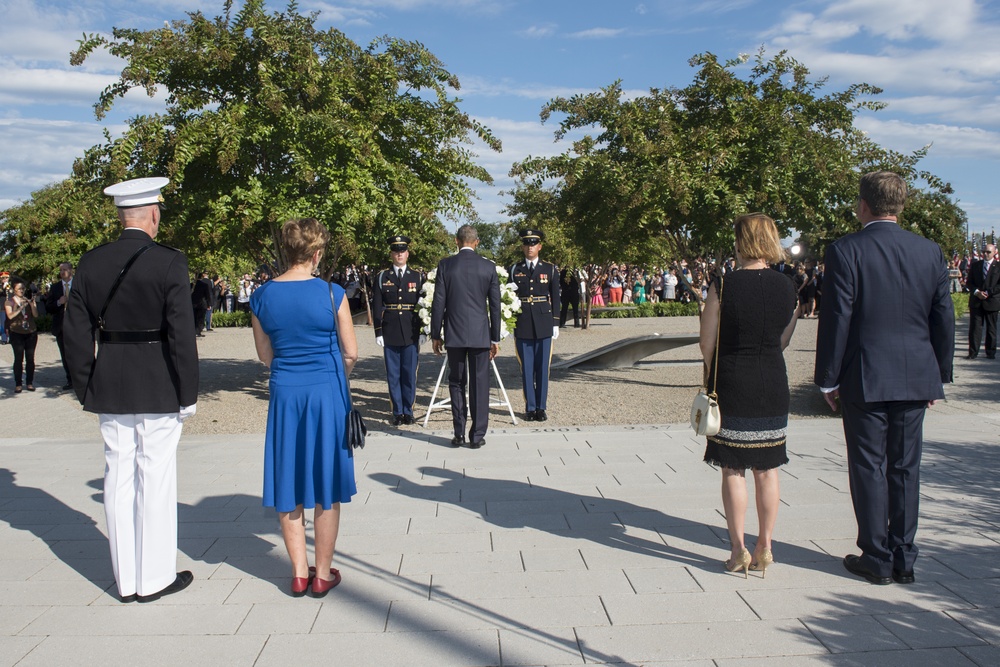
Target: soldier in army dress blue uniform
397, 328
538, 288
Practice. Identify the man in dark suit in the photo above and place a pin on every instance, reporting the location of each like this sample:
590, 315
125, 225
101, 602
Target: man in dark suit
538, 288
885, 346
55, 305
201, 301
984, 302
133, 297
467, 303
397, 328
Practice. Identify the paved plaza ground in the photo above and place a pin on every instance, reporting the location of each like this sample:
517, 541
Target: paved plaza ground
563, 545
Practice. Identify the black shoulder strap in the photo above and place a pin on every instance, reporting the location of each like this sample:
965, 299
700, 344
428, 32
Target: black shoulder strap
118, 282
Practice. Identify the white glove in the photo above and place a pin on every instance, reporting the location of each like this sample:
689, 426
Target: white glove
422, 340
187, 411
555, 333
380, 341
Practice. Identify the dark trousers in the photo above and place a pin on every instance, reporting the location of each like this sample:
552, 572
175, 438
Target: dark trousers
199, 318
24, 356
62, 356
884, 442
401, 373
565, 311
463, 362
534, 355
977, 317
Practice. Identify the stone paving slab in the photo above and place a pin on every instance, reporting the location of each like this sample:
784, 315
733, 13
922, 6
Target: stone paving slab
556, 546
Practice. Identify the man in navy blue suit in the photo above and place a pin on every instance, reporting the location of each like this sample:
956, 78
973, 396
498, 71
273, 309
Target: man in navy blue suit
885, 347
467, 304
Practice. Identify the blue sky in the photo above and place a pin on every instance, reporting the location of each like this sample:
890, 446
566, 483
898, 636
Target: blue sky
938, 62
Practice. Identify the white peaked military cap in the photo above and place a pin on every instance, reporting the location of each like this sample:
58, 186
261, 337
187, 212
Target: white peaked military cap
137, 192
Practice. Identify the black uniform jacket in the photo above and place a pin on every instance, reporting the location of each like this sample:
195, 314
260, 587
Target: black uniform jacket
132, 378
539, 297
398, 326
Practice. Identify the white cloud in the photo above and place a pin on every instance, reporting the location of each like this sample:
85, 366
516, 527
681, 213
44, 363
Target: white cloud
598, 33
949, 140
38, 153
339, 15
933, 19
924, 45
487, 6
542, 30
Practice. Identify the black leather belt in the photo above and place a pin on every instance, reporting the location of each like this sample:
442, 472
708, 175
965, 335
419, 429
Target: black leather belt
147, 336
399, 306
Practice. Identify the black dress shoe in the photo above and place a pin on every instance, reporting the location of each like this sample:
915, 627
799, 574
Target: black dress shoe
127, 598
67, 386
408, 419
529, 416
854, 566
476, 444
182, 581
903, 576
991, 356
971, 356
458, 441
397, 420
541, 416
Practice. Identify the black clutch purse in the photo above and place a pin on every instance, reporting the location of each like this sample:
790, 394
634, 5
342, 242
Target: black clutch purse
356, 430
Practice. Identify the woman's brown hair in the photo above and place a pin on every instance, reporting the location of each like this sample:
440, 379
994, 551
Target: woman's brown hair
757, 238
301, 238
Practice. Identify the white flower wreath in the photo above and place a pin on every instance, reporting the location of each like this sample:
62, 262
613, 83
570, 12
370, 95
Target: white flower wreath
510, 304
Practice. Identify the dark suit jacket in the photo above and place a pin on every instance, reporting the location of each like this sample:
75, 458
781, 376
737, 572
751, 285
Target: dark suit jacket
53, 308
130, 378
397, 327
201, 294
466, 301
887, 326
990, 284
536, 320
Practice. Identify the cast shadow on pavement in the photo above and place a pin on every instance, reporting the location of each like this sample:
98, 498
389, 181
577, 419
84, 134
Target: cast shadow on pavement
608, 520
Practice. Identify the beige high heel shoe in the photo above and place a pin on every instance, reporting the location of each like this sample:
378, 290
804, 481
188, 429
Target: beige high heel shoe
742, 563
763, 561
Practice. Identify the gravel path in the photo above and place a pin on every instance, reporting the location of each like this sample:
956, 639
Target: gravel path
233, 396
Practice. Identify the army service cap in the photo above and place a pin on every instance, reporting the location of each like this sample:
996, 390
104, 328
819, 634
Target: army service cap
399, 243
137, 192
531, 236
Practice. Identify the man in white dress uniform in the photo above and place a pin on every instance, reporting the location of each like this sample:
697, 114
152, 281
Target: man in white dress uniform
132, 298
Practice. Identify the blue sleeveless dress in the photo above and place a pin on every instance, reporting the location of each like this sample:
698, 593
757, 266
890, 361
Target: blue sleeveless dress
306, 458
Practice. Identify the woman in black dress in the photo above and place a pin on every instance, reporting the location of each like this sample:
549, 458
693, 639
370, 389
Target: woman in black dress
758, 316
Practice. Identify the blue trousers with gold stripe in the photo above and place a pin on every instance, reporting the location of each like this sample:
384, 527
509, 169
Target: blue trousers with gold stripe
401, 372
534, 355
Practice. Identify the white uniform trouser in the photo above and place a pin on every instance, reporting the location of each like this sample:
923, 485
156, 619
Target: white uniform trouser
140, 499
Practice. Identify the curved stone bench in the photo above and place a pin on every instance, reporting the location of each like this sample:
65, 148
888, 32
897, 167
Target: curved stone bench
624, 353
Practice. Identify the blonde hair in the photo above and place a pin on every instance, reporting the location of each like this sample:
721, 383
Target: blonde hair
301, 238
757, 238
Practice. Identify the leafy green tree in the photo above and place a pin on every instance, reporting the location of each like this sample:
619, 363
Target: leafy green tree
267, 117
664, 175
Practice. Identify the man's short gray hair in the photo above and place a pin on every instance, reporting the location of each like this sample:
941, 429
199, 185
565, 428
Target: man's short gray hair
467, 235
884, 192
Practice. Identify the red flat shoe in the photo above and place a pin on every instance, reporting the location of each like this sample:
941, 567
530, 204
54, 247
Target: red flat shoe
320, 587
300, 585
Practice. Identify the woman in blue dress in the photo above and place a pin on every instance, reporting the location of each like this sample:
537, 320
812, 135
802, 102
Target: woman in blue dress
310, 351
